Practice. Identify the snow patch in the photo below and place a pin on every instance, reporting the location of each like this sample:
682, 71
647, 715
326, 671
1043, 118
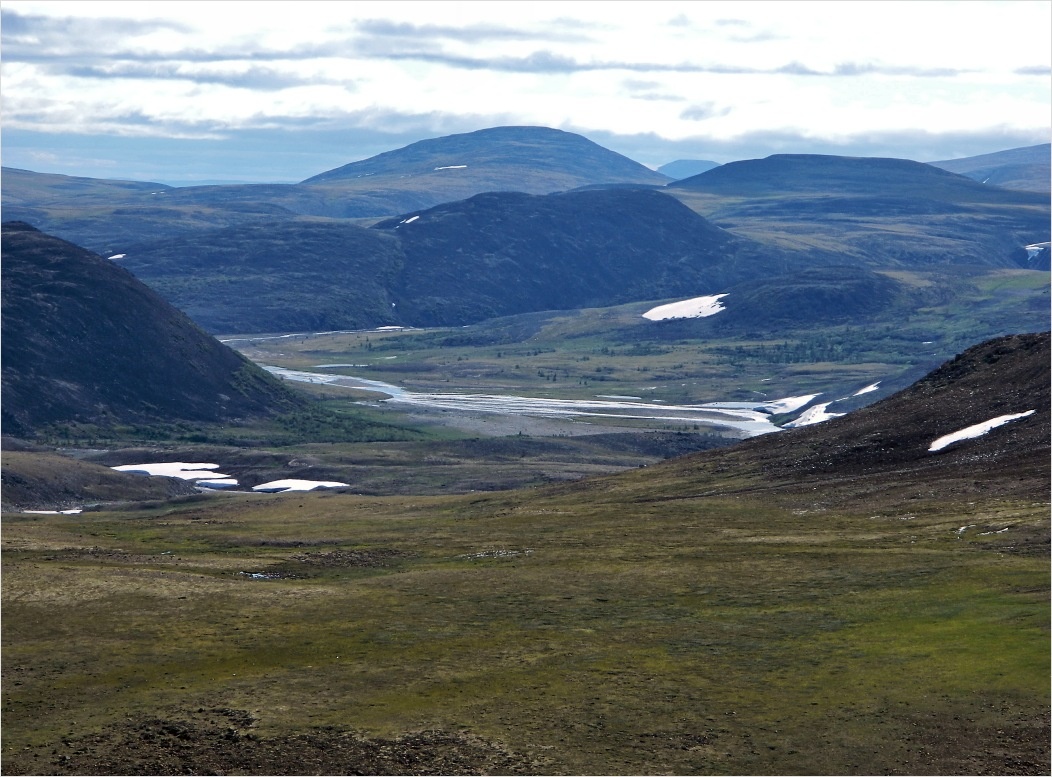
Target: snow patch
1034, 249
867, 389
977, 430
174, 469
280, 486
409, 220
814, 415
76, 511
451, 167
218, 484
118, 256
698, 307
789, 404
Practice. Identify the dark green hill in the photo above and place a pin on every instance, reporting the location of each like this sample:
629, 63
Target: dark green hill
26, 188
879, 212
84, 341
51, 481
491, 255
1028, 168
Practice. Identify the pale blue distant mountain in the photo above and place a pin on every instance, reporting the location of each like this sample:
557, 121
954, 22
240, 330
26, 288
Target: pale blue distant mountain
685, 168
1028, 168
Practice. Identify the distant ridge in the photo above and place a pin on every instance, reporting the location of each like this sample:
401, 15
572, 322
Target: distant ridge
830, 175
879, 211
685, 168
85, 342
1028, 168
545, 159
107, 216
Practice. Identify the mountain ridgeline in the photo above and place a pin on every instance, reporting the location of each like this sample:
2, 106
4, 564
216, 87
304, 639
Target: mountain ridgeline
86, 342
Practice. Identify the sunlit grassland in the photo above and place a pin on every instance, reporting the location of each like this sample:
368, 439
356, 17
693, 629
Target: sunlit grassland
602, 629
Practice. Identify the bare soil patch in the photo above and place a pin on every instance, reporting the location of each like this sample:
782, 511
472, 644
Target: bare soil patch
221, 741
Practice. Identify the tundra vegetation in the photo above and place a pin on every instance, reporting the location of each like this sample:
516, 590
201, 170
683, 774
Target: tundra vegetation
826, 600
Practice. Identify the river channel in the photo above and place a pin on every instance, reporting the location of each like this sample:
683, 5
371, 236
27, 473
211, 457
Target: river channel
748, 418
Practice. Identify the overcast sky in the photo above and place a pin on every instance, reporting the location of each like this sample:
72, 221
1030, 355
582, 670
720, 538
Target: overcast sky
280, 91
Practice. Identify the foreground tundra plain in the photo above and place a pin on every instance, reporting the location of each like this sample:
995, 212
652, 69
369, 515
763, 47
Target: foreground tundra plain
627, 625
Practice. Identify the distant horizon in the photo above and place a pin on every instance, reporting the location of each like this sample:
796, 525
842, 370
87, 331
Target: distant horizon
232, 181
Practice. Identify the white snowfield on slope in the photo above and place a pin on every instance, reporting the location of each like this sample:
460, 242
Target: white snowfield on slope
977, 430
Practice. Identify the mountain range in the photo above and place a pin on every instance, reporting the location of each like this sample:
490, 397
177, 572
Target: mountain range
497, 254
111, 216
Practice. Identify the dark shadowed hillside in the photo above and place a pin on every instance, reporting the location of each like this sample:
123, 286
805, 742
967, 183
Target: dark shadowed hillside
289, 276
35, 480
500, 254
84, 341
107, 216
812, 297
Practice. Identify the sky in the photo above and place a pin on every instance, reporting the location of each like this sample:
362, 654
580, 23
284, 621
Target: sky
186, 92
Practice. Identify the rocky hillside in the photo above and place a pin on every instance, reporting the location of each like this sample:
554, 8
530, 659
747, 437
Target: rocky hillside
86, 342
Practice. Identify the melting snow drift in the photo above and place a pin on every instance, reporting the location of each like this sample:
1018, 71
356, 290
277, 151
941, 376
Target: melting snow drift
276, 486
978, 430
814, 415
174, 469
698, 307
